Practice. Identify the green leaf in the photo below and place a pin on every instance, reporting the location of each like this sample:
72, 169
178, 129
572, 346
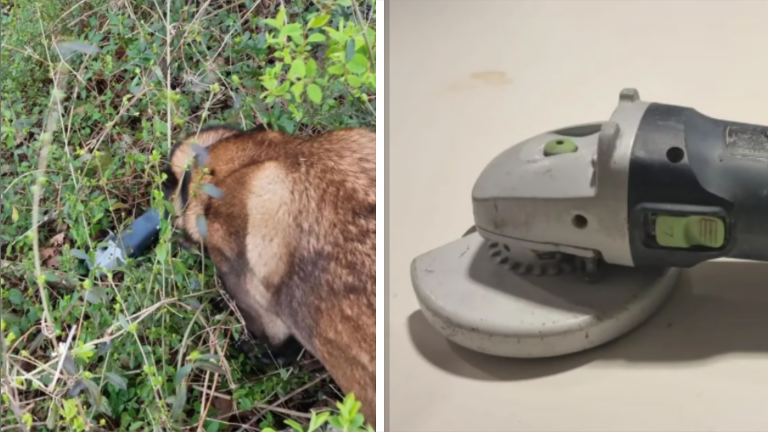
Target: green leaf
86, 384
14, 214
179, 401
298, 69
162, 251
358, 65
269, 83
337, 69
350, 51
27, 419
298, 38
298, 90
161, 127
50, 277
116, 380
272, 23
93, 391
311, 68
15, 296
357, 421
319, 21
206, 356
281, 15
283, 88
104, 349
317, 421
69, 365
119, 206
349, 406
314, 93
53, 415
334, 421
211, 367
105, 408
345, 3
104, 159
95, 295
182, 373
316, 37
70, 408
292, 29
336, 35
77, 253
187, 368
123, 322
294, 424
84, 352
354, 81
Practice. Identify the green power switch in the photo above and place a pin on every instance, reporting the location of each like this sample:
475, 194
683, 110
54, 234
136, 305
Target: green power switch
688, 231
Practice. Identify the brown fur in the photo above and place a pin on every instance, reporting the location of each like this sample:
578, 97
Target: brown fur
293, 239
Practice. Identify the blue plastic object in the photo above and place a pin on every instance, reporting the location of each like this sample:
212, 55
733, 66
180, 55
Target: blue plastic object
137, 238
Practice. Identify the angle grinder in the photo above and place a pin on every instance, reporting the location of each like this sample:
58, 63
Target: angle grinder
581, 233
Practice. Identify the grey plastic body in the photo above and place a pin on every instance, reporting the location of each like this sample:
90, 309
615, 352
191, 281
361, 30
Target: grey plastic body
476, 303
526, 197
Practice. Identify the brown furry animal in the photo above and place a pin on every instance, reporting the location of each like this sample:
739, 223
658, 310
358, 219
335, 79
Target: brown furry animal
290, 225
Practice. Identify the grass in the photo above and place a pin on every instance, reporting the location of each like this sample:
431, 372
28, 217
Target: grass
94, 93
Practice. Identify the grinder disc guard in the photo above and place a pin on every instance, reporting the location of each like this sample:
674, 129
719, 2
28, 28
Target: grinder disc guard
582, 232
482, 304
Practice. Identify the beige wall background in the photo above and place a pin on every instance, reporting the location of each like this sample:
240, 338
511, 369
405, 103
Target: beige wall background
470, 78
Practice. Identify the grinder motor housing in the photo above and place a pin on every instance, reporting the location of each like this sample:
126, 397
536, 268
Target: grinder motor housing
656, 185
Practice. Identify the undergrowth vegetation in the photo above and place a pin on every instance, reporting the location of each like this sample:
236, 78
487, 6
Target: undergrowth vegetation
94, 93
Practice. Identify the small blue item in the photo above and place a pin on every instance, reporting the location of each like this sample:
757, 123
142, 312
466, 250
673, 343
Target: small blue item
134, 241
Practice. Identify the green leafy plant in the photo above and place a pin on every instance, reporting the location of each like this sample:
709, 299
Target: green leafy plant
346, 419
152, 345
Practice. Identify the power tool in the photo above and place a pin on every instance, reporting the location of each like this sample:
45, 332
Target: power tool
138, 238
581, 233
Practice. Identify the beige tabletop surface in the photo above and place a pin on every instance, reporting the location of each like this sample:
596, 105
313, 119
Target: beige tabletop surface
467, 79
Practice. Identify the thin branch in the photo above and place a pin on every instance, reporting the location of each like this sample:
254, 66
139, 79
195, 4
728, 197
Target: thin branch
63, 354
54, 111
285, 411
359, 18
17, 411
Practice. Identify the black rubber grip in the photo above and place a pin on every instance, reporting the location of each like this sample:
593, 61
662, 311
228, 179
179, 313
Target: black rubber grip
684, 163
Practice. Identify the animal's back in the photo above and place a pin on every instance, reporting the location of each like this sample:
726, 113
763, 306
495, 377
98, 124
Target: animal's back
309, 210
346, 209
